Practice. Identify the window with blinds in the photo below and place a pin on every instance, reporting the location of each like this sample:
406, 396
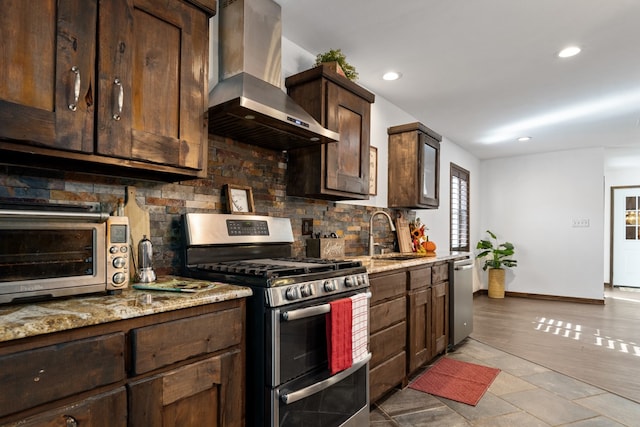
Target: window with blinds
459, 222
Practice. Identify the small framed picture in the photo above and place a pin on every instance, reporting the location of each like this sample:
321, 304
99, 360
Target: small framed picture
239, 199
373, 171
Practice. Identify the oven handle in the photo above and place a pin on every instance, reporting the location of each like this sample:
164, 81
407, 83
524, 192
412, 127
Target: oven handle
303, 313
294, 396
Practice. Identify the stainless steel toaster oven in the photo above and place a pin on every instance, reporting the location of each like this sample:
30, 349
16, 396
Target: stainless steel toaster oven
46, 254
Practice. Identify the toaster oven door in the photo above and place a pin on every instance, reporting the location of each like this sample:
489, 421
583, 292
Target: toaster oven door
51, 259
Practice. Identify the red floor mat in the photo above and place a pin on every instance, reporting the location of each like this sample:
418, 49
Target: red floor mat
455, 380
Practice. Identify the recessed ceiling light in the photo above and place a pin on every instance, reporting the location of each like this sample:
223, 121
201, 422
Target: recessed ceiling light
391, 75
569, 51
524, 138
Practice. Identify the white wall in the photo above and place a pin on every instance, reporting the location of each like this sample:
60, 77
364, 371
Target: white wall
531, 202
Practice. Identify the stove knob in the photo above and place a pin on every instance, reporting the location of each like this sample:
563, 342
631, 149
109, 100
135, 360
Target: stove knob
329, 286
306, 291
292, 293
362, 280
349, 282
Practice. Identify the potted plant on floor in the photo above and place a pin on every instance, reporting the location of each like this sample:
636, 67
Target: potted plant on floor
498, 256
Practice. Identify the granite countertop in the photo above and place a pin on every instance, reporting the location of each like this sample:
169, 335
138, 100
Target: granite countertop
391, 261
25, 320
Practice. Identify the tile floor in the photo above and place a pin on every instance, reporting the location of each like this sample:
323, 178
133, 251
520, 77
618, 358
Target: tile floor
524, 395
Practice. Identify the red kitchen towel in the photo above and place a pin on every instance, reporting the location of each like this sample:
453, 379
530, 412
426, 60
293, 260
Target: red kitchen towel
339, 335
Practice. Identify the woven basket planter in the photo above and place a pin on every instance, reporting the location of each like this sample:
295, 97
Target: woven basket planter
496, 282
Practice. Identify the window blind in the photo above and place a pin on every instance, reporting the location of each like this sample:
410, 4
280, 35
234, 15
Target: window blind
459, 221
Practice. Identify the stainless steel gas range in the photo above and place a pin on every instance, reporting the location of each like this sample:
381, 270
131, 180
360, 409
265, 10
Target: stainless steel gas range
288, 379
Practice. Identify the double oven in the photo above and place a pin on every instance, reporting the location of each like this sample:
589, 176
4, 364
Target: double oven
288, 380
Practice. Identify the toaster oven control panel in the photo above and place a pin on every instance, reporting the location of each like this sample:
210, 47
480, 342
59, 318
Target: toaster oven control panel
118, 254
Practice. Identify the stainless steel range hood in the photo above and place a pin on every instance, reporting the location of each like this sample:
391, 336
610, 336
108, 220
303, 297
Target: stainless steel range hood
248, 103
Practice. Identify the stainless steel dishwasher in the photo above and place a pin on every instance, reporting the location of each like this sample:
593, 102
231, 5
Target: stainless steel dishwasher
461, 301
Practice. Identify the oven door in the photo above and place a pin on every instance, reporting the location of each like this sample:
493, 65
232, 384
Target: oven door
320, 401
303, 391
298, 339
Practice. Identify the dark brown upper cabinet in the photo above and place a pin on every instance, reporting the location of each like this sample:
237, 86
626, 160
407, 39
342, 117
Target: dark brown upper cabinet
117, 85
337, 170
414, 167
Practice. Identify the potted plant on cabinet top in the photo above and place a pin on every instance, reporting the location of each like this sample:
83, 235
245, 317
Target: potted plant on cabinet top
335, 56
499, 256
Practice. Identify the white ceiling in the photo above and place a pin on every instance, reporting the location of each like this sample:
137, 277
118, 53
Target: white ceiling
485, 72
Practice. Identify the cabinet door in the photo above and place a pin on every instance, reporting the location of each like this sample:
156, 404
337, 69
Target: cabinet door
440, 319
104, 410
420, 346
428, 170
153, 65
47, 60
209, 392
347, 161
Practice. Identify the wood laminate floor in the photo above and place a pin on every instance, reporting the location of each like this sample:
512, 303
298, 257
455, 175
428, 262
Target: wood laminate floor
596, 344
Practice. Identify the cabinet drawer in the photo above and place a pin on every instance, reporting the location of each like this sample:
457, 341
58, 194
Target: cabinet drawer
387, 313
384, 377
50, 373
440, 273
160, 345
419, 277
387, 286
388, 342
103, 410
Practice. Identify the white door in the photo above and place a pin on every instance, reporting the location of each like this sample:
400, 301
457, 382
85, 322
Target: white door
626, 237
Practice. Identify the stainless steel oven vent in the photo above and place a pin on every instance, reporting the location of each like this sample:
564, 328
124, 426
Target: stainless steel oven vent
248, 103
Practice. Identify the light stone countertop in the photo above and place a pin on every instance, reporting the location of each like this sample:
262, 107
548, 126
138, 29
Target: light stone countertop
390, 261
25, 320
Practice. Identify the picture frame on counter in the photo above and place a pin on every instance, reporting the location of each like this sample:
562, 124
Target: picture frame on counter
239, 199
373, 171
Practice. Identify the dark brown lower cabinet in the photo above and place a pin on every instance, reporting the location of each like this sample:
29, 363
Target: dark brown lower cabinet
440, 307
440, 302
388, 329
183, 367
409, 323
193, 395
419, 334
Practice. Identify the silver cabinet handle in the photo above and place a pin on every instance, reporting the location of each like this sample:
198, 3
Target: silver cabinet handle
294, 396
76, 89
118, 112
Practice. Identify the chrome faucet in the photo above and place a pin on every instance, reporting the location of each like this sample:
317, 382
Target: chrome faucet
371, 244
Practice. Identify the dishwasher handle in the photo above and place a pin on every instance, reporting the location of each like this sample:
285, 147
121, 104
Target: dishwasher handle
463, 264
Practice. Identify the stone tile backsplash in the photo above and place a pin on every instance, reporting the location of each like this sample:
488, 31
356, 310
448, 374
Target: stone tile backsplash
230, 162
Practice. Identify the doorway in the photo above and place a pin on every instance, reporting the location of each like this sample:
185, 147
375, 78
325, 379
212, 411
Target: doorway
625, 235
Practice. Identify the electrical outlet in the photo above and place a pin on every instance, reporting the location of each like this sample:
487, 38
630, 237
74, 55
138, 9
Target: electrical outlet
580, 222
307, 226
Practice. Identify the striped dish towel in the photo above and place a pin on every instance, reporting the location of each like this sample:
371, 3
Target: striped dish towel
360, 327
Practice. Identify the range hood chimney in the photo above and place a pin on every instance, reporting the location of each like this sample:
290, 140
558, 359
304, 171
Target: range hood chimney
248, 103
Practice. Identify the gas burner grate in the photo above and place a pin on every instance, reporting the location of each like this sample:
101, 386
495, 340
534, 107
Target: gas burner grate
268, 271
335, 264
